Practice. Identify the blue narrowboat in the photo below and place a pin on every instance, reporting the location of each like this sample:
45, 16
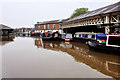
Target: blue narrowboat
85, 36
46, 35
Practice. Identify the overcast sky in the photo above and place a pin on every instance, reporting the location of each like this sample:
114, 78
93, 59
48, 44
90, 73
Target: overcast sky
25, 13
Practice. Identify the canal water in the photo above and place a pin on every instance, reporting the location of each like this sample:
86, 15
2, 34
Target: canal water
28, 57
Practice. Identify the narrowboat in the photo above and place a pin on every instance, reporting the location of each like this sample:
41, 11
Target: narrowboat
46, 35
105, 42
63, 36
67, 37
56, 35
51, 36
84, 36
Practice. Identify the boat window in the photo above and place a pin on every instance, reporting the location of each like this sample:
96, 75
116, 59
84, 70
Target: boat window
89, 36
114, 40
93, 36
79, 35
74, 35
82, 35
102, 38
86, 36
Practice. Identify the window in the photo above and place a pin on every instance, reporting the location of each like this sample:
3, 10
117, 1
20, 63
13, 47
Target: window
44, 26
114, 40
59, 26
86, 36
93, 36
38, 27
53, 26
79, 35
89, 36
48, 26
82, 35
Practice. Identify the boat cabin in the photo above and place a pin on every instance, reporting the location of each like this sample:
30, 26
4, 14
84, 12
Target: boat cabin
113, 40
63, 36
69, 36
66, 36
85, 35
101, 38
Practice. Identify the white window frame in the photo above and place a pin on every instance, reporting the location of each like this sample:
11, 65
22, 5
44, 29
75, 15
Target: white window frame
60, 26
48, 26
39, 27
53, 26
44, 26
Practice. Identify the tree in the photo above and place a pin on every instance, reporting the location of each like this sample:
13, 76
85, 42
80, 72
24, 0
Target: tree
78, 12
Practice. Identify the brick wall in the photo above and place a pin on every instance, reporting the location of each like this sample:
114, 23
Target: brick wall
41, 27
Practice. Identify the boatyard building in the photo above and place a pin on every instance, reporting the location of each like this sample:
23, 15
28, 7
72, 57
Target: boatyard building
103, 20
5, 30
46, 26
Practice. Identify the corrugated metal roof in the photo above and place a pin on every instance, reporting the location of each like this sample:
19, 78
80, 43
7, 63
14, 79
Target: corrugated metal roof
4, 27
104, 10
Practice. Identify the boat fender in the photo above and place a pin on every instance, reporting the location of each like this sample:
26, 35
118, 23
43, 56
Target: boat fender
86, 43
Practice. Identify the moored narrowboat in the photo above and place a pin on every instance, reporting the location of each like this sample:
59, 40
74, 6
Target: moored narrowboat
63, 36
46, 35
113, 40
56, 35
67, 37
51, 36
84, 36
106, 43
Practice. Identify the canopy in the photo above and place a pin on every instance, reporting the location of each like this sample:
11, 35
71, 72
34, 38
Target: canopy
101, 35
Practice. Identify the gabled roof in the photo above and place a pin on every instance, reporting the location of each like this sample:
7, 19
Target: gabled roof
104, 10
53, 21
4, 27
50, 22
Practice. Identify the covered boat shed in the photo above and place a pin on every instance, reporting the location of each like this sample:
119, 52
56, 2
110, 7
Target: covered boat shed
105, 20
5, 30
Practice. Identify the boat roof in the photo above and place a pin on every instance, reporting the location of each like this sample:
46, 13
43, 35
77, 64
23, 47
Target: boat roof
97, 34
101, 35
85, 33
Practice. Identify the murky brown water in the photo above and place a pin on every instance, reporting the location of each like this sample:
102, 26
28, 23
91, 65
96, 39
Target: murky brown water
25, 57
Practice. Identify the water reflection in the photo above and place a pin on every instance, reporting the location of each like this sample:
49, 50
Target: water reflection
107, 64
3, 40
6, 39
0, 62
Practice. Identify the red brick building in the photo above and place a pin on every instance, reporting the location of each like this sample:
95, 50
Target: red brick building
53, 26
